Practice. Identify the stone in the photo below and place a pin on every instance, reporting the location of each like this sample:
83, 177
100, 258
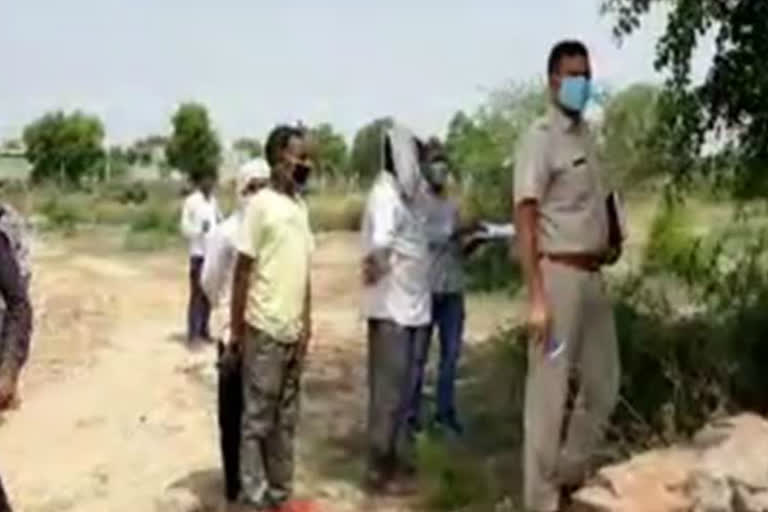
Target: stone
746, 500
723, 469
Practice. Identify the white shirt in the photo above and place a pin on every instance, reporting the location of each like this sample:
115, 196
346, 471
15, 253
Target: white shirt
196, 212
219, 259
398, 229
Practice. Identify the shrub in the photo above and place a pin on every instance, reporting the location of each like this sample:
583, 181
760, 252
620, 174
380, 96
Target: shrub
155, 218
62, 215
334, 212
491, 269
451, 478
153, 227
484, 469
670, 240
682, 365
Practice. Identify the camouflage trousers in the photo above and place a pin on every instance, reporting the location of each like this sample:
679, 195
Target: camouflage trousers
271, 375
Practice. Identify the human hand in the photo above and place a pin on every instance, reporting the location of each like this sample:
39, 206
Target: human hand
372, 271
539, 318
8, 389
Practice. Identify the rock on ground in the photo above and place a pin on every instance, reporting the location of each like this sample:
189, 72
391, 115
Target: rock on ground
723, 469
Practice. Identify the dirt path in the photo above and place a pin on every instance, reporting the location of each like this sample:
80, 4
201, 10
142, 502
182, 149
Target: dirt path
118, 416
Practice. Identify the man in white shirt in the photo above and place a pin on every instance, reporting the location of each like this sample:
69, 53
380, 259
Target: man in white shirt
397, 305
220, 252
215, 279
199, 215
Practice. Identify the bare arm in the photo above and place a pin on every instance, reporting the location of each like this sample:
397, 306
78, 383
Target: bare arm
240, 283
307, 321
526, 216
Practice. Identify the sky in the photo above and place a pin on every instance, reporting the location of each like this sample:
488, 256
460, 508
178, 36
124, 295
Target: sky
255, 63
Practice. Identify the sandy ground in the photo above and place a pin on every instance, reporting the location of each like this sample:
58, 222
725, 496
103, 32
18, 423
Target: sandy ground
118, 415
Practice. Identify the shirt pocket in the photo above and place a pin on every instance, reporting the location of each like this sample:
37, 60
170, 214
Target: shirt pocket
574, 179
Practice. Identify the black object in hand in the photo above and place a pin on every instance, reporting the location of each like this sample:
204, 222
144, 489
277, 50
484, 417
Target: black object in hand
615, 237
230, 412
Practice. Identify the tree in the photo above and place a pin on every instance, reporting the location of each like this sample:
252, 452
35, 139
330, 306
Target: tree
194, 147
66, 147
365, 157
627, 145
481, 147
328, 150
250, 147
732, 101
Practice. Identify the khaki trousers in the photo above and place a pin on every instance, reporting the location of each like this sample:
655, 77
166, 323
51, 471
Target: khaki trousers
557, 451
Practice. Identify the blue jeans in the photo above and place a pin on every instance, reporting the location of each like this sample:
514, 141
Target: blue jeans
448, 317
199, 309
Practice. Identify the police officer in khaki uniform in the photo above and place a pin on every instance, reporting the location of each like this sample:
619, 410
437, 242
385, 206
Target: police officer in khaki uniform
563, 229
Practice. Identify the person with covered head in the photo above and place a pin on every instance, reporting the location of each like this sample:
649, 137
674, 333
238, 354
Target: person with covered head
215, 279
220, 252
397, 306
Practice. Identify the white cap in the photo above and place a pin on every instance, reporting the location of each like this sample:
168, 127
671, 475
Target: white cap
256, 169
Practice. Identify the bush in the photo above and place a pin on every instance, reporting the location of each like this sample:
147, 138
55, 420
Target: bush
670, 240
484, 470
491, 269
681, 366
62, 215
451, 478
333, 212
153, 227
157, 219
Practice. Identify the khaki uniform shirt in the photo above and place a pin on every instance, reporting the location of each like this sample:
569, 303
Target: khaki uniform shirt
557, 166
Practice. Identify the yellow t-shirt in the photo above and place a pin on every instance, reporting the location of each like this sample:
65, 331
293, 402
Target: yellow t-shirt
275, 232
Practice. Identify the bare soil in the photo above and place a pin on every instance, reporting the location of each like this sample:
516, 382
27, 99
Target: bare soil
118, 415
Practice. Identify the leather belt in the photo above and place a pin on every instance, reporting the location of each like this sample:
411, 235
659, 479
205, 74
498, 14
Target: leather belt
579, 261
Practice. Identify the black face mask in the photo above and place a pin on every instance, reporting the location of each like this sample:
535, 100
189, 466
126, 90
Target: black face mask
301, 174
437, 189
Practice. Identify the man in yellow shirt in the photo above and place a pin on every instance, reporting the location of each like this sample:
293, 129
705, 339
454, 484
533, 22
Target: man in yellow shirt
271, 321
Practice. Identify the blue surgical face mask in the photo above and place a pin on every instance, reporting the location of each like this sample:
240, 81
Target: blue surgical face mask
575, 92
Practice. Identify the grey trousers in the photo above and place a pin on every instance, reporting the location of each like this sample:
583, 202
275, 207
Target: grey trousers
392, 377
583, 322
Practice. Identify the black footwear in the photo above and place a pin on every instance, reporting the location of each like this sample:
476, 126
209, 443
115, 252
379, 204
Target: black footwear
566, 491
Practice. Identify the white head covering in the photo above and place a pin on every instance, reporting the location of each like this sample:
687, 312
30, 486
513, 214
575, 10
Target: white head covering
256, 169
405, 158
